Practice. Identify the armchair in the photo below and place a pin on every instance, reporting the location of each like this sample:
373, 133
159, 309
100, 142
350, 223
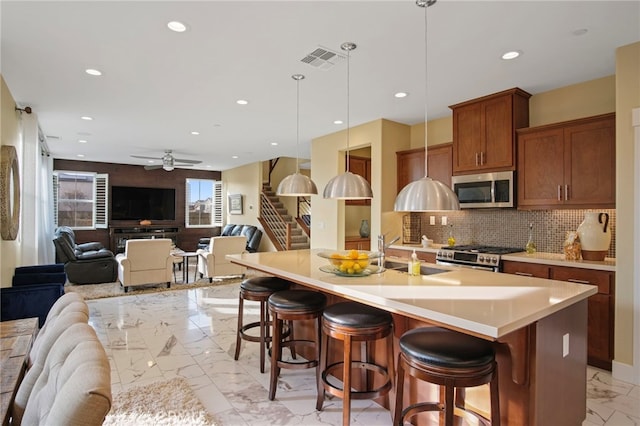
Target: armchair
145, 261
213, 262
84, 263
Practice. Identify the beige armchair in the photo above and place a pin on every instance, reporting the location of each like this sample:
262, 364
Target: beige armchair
146, 261
213, 262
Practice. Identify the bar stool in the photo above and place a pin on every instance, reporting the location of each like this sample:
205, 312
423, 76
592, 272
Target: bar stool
257, 289
450, 359
355, 322
294, 305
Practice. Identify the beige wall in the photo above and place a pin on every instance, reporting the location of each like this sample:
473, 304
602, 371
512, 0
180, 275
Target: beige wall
627, 97
10, 133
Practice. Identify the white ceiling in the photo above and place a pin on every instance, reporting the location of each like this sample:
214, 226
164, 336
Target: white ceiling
158, 85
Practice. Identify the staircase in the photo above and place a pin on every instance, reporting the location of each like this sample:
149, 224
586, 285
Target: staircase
278, 224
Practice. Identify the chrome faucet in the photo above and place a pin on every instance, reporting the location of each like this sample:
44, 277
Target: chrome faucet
382, 246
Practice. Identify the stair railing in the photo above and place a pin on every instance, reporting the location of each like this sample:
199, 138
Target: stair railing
274, 225
304, 215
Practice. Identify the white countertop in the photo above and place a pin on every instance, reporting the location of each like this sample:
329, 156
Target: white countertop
482, 303
556, 259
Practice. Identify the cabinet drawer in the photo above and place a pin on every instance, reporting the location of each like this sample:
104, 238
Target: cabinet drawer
525, 269
601, 279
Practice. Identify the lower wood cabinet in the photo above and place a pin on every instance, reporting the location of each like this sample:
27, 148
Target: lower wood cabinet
358, 243
601, 306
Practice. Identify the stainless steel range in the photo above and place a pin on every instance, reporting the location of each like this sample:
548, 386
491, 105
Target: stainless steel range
474, 256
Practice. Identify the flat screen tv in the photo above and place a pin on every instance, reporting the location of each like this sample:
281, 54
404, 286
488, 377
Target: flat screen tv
134, 203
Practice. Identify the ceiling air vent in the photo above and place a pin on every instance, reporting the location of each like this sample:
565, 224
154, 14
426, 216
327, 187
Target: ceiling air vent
322, 58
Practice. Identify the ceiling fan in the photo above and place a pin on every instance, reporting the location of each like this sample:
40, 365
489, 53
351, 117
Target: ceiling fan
168, 161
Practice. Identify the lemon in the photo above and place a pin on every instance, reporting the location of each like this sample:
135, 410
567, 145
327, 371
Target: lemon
353, 254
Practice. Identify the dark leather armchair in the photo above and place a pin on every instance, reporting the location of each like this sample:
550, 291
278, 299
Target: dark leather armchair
88, 263
250, 232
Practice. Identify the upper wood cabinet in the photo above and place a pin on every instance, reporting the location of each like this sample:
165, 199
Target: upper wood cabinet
484, 131
360, 166
411, 164
568, 165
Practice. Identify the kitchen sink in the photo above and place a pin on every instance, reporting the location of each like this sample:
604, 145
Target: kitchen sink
402, 267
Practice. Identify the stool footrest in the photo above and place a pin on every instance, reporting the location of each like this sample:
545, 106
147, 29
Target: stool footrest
355, 394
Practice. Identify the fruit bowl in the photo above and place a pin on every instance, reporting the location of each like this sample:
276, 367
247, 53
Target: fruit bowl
349, 262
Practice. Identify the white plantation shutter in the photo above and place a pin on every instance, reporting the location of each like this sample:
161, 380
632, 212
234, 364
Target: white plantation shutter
216, 214
55, 200
101, 198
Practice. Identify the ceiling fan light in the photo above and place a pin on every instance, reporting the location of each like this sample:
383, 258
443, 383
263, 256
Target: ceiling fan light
296, 185
348, 186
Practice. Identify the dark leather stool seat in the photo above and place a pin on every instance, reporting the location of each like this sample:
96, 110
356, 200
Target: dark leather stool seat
294, 305
449, 359
355, 322
257, 289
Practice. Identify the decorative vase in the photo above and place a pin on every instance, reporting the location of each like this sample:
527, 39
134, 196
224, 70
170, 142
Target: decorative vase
364, 228
595, 235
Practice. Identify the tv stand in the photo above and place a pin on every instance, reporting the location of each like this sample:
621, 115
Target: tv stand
120, 234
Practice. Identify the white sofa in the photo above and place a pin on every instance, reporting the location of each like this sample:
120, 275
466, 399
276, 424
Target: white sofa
145, 261
212, 261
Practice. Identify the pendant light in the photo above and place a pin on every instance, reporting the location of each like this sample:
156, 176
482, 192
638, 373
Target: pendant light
426, 194
348, 186
297, 184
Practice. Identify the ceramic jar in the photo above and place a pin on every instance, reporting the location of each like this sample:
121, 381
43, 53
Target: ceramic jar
364, 228
595, 235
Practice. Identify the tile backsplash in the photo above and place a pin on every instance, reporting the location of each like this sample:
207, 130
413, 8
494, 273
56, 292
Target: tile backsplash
510, 228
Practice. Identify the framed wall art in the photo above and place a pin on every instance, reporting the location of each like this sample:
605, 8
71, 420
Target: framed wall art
235, 204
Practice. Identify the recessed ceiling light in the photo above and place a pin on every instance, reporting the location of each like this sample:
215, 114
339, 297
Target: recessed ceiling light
274, 143
86, 117
511, 55
195, 133
401, 95
177, 26
208, 166
234, 156
337, 122
151, 161
82, 141
242, 102
80, 155
92, 71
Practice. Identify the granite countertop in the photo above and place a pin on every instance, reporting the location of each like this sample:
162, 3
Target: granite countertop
482, 303
555, 259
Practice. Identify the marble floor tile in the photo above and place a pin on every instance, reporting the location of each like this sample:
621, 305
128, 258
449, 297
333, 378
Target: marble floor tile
192, 334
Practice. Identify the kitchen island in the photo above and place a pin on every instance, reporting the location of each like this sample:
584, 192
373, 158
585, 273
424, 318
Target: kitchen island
539, 326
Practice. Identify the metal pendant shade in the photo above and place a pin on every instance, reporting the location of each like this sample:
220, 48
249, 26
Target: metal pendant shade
348, 186
297, 184
426, 194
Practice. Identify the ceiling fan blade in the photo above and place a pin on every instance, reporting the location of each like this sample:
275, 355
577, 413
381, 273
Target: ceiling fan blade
159, 166
182, 165
147, 158
182, 160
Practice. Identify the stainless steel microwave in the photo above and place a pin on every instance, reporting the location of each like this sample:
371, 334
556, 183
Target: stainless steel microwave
485, 190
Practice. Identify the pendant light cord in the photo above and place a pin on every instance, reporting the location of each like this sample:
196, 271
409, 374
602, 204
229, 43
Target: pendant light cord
348, 107
298, 124
426, 86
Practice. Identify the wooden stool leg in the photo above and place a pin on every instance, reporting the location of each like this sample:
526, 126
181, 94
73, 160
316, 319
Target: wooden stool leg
322, 365
263, 325
238, 333
346, 381
276, 354
495, 399
397, 411
448, 405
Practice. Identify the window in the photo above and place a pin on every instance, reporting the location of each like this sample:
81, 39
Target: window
80, 199
204, 203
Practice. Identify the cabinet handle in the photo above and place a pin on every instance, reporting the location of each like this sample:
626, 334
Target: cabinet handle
559, 192
566, 192
481, 158
573, 280
523, 274
476, 158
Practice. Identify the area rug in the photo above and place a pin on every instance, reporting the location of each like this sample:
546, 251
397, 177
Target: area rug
99, 291
164, 403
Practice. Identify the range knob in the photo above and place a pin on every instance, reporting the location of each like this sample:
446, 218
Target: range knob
450, 255
494, 260
481, 258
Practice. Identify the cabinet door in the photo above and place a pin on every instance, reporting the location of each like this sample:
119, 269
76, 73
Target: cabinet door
540, 168
410, 166
600, 322
590, 164
360, 166
496, 145
467, 128
440, 163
